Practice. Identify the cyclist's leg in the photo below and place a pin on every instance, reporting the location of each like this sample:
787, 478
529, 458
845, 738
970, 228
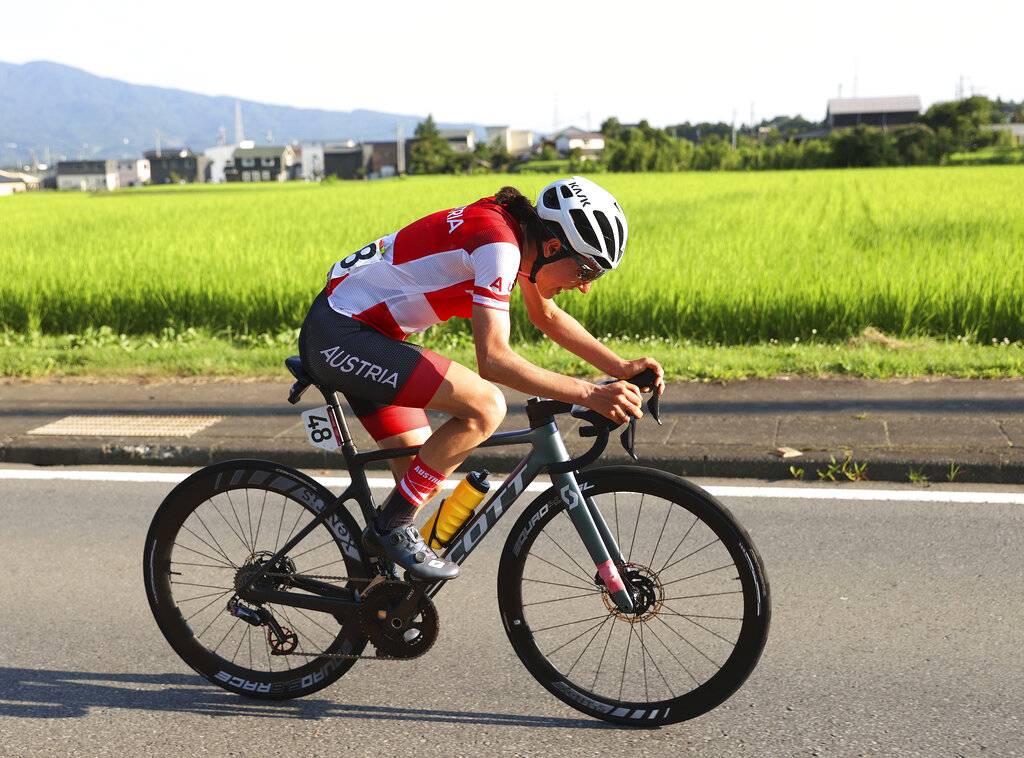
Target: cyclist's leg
392, 426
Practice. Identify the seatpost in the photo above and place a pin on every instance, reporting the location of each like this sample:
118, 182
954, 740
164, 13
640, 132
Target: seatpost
339, 415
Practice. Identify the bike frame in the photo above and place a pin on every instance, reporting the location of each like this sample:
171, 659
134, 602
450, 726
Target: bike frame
546, 448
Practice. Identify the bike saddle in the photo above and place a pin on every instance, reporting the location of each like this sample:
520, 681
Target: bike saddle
303, 380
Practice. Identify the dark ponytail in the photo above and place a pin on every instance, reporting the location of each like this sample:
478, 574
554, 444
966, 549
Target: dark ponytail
521, 209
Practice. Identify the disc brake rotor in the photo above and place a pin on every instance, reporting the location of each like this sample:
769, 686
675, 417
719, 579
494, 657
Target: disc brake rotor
393, 634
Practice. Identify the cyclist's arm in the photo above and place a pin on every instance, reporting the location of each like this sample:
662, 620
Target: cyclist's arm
568, 332
497, 362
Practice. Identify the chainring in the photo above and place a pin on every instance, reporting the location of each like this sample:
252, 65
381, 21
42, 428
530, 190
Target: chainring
392, 635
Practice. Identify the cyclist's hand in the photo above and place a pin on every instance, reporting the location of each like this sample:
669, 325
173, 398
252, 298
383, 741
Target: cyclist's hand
618, 401
632, 368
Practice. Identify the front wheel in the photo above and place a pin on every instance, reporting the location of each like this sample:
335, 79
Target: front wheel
702, 604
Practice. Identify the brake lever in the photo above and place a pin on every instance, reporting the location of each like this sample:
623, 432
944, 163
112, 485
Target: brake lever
646, 378
628, 439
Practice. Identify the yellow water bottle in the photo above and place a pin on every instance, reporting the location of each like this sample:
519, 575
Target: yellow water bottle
453, 512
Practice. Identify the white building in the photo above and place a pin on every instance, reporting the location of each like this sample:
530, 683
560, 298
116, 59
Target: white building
312, 155
87, 176
11, 183
461, 140
515, 141
591, 144
220, 156
133, 172
1016, 131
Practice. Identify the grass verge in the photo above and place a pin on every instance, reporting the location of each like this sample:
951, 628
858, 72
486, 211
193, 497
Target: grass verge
105, 354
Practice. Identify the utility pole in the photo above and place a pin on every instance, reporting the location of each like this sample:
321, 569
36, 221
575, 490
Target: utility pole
239, 127
158, 143
400, 146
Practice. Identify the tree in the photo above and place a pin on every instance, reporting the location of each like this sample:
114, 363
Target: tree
430, 153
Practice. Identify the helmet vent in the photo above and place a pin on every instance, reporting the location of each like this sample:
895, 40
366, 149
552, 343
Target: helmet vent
606, 232
584, 227
566, 192
622, 234
550, 199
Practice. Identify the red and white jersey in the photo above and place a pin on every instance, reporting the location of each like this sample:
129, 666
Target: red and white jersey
432, 269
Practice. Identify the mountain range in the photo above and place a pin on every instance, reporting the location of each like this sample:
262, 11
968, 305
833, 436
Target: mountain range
62, 112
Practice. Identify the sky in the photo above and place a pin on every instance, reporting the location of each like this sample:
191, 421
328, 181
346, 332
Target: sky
537, 65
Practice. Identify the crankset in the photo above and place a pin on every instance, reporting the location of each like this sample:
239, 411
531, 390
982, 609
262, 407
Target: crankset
399, 619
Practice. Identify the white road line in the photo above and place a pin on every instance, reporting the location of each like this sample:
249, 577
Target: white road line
724, 491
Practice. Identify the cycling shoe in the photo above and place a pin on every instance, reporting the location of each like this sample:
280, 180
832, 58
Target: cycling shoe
405, 547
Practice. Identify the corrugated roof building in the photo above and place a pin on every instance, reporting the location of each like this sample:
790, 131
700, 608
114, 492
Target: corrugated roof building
882, 112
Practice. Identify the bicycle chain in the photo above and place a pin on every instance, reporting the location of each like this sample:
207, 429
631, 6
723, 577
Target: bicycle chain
338, 656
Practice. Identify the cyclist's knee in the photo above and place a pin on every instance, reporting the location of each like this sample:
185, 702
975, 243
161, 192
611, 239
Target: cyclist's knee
488, 409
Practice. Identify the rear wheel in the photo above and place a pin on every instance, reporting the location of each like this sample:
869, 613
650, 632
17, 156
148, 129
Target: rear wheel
702, 600
214, 532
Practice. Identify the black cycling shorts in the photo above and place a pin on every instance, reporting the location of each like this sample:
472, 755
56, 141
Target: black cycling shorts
386, 381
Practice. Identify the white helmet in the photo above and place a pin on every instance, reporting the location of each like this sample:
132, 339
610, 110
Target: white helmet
589, 218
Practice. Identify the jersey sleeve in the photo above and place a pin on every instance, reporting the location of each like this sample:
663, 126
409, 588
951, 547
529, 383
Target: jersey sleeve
495, 266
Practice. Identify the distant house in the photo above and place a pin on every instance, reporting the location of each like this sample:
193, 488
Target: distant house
515, 141
87, 176
345, 160
270, 163
133, 172
311, 161
590, 144
881, 112
460, 140
11, 183
177, 166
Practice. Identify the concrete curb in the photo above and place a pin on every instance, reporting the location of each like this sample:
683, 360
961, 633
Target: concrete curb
748, 464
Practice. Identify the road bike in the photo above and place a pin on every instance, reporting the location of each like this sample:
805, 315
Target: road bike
629, 593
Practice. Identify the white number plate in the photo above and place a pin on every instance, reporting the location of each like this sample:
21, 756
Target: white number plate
321, 429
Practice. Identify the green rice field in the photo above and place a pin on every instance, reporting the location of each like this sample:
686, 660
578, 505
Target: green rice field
717, 258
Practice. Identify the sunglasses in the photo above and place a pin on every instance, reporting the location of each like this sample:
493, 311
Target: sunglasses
586, 270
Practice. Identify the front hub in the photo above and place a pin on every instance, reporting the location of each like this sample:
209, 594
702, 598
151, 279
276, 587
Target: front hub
645, 589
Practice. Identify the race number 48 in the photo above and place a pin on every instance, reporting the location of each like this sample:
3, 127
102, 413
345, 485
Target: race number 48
321, 430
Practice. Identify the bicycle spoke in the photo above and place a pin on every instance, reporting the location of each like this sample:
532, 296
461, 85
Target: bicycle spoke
294, 557
228, 523
231, 502
564, 644
673, 553
259, 523
643, 659
230, 629
555, 565
199, 597
198, 636
221, 566
681, 664
695, 623
248, 513
587, 646
556, 584
637, 524
564, 550
280, 521
698, 615
562, 599
662, 533
706, 594
677, 634
208, 557
569, 623
196, 613
656, 666
313, 621
605, 650
219, 552
215, 542
625, 660
241, 639
323, 565
701, 573
690, 555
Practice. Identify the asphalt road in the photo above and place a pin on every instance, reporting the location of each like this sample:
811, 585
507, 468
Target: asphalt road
898, 629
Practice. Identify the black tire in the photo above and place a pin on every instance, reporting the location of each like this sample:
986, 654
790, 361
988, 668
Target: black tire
187, 526
541, 590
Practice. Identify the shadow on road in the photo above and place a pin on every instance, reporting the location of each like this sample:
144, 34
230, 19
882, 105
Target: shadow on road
41, 693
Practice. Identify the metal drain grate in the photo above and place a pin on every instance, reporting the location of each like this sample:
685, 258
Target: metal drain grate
127, 426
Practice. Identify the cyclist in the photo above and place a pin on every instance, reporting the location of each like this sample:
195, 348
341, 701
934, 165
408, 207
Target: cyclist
464, 262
